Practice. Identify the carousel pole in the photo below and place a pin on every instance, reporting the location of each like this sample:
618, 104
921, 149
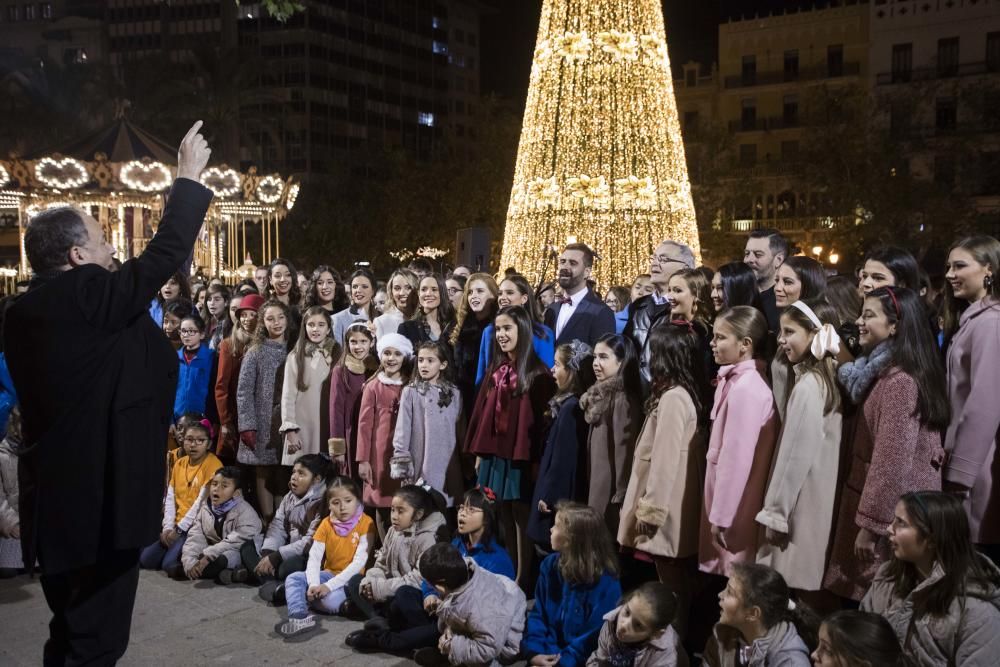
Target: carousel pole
243, 223
277, 233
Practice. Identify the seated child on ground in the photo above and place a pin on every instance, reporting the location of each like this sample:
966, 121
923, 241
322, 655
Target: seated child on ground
417, 524
638, 632
223, 523
289, 535
339, 551
186, 490
481, 615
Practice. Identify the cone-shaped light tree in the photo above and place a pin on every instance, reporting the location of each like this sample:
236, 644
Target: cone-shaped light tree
600, 158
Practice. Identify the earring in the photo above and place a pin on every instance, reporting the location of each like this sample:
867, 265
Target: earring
988, 282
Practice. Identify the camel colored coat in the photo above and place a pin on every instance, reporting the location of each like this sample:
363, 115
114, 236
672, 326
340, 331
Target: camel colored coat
803, 487
668, 474
305, 410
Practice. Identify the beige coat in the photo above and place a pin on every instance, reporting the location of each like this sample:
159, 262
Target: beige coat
305, 410
665, 488
803, 487
968, 636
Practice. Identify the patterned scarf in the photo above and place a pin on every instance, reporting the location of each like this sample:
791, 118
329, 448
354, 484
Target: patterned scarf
857, 376
342, 528
221, 510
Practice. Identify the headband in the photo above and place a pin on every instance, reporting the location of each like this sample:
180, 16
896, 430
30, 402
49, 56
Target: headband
895, 302
578, 350
395, 341
826, 342
208, 427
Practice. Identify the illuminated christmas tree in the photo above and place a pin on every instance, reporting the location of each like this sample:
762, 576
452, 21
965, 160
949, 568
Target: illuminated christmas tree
600, 158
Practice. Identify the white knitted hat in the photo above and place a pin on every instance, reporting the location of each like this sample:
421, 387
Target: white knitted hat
396, 341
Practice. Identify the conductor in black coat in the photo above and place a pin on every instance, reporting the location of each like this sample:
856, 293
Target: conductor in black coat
96, 379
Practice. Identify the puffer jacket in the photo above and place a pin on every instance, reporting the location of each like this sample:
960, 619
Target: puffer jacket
780, 647
396, 562
241, 524
664, 650
644, 313
296, 519
969, 636
485, 617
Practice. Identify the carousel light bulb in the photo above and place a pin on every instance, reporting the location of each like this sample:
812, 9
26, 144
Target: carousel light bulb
62, 174
601, 159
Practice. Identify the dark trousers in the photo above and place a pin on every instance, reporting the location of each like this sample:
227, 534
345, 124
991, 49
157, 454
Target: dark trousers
91, 610
365, 606
248, 552
410, 626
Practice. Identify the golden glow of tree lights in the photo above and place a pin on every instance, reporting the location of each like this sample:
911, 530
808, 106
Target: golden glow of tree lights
601, 156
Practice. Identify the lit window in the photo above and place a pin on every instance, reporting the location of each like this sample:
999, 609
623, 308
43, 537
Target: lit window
436, 22
439, 47
425, 118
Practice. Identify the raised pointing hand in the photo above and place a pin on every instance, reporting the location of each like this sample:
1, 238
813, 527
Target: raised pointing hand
193, 154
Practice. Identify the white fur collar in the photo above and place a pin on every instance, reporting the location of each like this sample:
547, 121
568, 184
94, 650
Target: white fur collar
384, 379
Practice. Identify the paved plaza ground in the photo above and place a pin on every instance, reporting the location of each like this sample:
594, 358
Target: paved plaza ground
185, 623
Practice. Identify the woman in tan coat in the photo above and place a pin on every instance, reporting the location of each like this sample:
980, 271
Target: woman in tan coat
662, 506
799, 505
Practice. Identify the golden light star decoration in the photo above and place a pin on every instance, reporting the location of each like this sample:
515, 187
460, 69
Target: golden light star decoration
601, 157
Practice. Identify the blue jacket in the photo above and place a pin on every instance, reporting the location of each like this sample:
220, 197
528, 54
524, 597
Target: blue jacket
561, 470
156, 312
621, 319
193, 382
8, 397
495, 560
567, 620
543, 341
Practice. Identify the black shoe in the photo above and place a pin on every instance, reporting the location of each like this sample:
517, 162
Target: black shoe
377, 624
349, 610
177, 573
429, 657
225, 578
363, 640
279, 596
266, 590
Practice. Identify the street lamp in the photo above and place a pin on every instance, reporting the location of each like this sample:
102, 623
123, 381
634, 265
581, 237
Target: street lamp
834, 258
817, 250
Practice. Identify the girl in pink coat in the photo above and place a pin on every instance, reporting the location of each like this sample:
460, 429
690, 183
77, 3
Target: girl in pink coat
377, 425
744, 431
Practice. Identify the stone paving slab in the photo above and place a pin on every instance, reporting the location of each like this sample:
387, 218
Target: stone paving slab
185, 623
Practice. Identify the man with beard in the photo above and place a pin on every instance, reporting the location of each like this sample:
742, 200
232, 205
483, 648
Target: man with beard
765, 251
579, 314
96, 380
668, 258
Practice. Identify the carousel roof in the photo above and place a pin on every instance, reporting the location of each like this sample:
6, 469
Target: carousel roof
120, 142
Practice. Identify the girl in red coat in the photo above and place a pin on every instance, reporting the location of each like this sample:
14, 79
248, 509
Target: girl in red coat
506, 429
897, 442
377, 425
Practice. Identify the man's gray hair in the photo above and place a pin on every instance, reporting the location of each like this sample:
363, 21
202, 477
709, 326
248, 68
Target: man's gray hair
684, 252
50, 236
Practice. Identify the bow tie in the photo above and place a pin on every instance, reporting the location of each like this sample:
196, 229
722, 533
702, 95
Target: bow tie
563, 299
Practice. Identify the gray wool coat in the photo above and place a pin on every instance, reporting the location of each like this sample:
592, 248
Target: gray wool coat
968, 636
258, 398
486, 618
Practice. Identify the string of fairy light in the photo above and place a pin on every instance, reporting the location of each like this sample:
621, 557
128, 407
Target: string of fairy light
600, 157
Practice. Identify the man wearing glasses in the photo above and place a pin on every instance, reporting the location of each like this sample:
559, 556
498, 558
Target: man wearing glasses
667, 259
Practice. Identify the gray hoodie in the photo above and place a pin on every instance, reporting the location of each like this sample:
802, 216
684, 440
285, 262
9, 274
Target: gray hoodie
485, 617
969, 635
780, 647
396, 562
664, 650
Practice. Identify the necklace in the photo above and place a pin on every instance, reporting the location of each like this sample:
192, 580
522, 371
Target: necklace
190, 480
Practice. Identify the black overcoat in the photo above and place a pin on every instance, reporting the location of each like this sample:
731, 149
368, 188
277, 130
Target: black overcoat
96, 378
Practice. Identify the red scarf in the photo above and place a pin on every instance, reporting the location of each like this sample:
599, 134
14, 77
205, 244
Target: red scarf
505, 381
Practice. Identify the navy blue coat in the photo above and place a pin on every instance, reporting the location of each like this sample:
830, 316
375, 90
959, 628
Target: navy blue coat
96, 380
591, 320
558, 474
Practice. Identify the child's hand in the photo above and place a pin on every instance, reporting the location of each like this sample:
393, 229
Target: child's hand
776, 538
197, 568
341, 462
366, 591
317, 592
265, 566
249, 439
645, 529
719, 538
543, 508
365, 472
293, 441
431, 603
165, 537
545, 660
444, 643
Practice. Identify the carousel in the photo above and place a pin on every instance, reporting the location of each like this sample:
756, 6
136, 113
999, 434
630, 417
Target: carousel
121, 175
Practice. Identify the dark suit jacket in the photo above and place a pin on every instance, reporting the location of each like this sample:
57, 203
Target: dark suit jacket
591, 320
96, 380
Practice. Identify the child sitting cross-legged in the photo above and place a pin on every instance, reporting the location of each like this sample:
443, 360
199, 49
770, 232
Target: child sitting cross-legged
481, 614
289, 535
339, 551
224, 521
638, 631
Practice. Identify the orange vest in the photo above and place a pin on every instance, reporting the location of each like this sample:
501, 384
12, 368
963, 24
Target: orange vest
340, 550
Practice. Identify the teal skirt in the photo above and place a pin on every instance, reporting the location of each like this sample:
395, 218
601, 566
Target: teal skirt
506, 478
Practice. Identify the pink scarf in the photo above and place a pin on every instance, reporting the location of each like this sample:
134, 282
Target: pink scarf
342, 528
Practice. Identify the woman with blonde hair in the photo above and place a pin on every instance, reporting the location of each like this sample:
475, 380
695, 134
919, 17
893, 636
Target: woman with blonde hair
401, 302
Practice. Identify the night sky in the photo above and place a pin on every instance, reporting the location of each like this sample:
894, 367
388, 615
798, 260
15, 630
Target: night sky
508, 39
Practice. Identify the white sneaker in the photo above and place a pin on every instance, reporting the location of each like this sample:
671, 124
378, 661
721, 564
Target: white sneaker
297, 626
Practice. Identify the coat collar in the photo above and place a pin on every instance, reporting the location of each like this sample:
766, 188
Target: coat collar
978, 308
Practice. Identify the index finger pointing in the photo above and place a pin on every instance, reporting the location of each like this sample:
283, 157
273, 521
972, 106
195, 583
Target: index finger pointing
193, 131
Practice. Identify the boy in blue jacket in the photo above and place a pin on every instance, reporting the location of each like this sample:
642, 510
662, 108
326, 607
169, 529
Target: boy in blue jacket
195, 372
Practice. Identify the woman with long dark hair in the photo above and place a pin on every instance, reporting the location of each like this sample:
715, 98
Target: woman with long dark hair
514, 290
362, 308
940, 596
434, 316
896, 445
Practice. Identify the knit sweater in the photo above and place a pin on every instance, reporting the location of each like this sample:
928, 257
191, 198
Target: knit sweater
256, 399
